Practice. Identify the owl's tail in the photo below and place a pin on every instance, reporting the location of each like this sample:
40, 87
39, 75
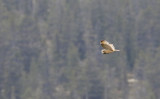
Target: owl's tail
117, 50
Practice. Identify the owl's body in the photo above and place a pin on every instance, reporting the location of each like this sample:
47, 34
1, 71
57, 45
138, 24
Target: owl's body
108, 48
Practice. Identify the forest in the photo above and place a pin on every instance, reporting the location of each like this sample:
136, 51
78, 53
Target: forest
50, 49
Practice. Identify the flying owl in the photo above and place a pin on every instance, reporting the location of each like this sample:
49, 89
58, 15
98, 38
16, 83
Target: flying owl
108, 48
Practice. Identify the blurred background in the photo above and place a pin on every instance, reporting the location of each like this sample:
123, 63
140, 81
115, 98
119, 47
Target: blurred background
50, 49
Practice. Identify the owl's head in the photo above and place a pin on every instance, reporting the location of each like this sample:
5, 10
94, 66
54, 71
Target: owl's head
103, 42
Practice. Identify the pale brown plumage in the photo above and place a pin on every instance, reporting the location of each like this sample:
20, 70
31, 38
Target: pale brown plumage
108, 48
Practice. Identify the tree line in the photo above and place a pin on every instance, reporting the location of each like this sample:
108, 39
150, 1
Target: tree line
49, 49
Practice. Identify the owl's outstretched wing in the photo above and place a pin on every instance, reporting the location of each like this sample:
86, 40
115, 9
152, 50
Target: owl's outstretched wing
104, 51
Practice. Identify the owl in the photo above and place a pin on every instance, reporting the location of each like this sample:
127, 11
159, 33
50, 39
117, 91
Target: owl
108, 48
